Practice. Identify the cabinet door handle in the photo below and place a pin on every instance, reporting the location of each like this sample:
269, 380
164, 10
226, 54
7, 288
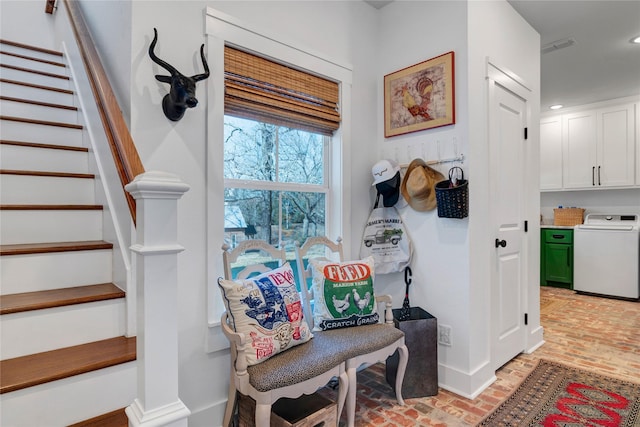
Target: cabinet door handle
593, 175
599, 183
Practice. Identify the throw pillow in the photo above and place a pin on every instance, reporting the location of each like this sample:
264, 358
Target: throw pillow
267, 309
343, 293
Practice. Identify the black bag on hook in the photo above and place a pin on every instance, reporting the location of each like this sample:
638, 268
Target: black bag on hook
452, 196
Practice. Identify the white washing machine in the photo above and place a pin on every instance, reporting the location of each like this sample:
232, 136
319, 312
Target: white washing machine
606, 256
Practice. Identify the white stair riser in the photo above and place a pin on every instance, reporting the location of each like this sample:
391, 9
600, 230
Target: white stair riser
43, 95
59, 327
41, 226
37, 112
70, 400
14, 157
34, 65
39, 79
32, 53
38, 272
44, 134
28, 189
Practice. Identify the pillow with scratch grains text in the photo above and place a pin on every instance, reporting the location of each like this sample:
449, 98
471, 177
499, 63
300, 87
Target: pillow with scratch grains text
343, 293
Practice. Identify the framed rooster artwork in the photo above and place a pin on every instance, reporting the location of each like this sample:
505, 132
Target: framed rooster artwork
420, 97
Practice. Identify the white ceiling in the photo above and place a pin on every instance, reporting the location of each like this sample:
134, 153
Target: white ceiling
601, 65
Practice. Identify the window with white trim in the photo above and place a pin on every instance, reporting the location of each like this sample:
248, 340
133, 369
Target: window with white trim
277, 130
223, 31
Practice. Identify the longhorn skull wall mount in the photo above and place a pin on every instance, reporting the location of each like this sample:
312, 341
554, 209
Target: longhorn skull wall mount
182, 94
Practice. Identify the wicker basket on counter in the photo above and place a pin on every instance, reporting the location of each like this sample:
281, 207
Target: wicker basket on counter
568, 216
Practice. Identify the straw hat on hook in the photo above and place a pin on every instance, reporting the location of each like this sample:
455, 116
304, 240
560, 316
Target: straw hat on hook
418, 185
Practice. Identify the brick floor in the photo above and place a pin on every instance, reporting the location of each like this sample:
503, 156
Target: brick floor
596, 334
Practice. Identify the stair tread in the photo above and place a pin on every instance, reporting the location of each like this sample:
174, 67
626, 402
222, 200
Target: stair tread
51, 207
40, 103
30, 47
117, 418
39, 248
41, 122
31, 58
45, 173
27, 371
39, 145
36, 86
28, 301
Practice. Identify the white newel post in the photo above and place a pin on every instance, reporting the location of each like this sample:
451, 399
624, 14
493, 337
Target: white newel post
156, 275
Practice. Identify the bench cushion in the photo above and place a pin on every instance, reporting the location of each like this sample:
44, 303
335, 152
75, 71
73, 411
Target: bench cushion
325, 351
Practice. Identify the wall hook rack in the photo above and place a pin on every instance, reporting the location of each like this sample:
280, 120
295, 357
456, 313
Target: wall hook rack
455, 159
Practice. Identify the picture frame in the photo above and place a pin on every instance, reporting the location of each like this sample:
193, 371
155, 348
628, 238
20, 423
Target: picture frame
420, 97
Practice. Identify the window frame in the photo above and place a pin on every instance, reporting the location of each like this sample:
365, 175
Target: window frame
222, 29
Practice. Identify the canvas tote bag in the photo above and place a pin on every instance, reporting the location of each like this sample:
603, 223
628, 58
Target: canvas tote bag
386, 239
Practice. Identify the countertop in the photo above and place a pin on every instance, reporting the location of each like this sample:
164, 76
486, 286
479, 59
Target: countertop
568, 227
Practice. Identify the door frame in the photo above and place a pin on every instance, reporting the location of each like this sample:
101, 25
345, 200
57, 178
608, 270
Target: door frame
510, 81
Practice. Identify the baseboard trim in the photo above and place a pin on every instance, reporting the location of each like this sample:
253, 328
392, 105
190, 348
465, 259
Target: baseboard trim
174, 414
466, 384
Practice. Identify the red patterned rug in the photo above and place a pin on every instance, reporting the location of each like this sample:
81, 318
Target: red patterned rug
555, 395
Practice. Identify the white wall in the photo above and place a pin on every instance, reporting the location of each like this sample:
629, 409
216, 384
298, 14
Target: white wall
340, 30
451, 263
622, 201
515, 46
412, 32
450, 272
26, 22
102, 17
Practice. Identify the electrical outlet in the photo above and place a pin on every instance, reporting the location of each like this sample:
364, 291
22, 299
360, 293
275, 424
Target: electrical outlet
444, 335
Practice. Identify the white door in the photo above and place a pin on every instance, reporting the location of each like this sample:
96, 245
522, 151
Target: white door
507, 123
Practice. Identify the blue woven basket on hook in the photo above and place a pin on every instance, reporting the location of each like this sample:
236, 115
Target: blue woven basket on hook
453, 196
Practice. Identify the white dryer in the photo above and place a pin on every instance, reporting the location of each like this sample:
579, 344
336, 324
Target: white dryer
606, 256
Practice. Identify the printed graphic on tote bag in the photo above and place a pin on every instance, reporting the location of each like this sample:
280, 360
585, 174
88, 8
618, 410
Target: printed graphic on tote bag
386, 240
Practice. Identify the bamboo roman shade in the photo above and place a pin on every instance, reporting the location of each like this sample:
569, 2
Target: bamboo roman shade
259, 89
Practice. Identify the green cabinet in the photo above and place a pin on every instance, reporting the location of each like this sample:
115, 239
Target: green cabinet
556, 257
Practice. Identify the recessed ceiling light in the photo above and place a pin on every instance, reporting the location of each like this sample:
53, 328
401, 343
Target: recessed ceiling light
556, 107
636, 40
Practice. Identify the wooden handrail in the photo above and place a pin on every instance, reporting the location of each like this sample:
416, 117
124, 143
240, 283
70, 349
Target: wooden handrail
123, 149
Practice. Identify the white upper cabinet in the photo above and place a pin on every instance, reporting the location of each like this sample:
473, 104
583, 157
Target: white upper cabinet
637, 107
616, 146
590, 149
551, 153
579, 143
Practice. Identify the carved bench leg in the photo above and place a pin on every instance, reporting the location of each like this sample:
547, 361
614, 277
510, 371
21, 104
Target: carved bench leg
263, 414
351, 396
231, 401
402, 366
343, 386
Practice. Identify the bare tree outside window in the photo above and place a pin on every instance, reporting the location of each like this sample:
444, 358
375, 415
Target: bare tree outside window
274, 181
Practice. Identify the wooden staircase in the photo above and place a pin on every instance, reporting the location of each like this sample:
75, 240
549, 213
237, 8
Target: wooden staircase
64, 355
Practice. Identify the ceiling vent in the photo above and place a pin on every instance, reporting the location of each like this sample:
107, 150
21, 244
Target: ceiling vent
557, 45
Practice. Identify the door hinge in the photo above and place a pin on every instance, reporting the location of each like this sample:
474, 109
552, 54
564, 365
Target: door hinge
526, 318
526, 226
526, 133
